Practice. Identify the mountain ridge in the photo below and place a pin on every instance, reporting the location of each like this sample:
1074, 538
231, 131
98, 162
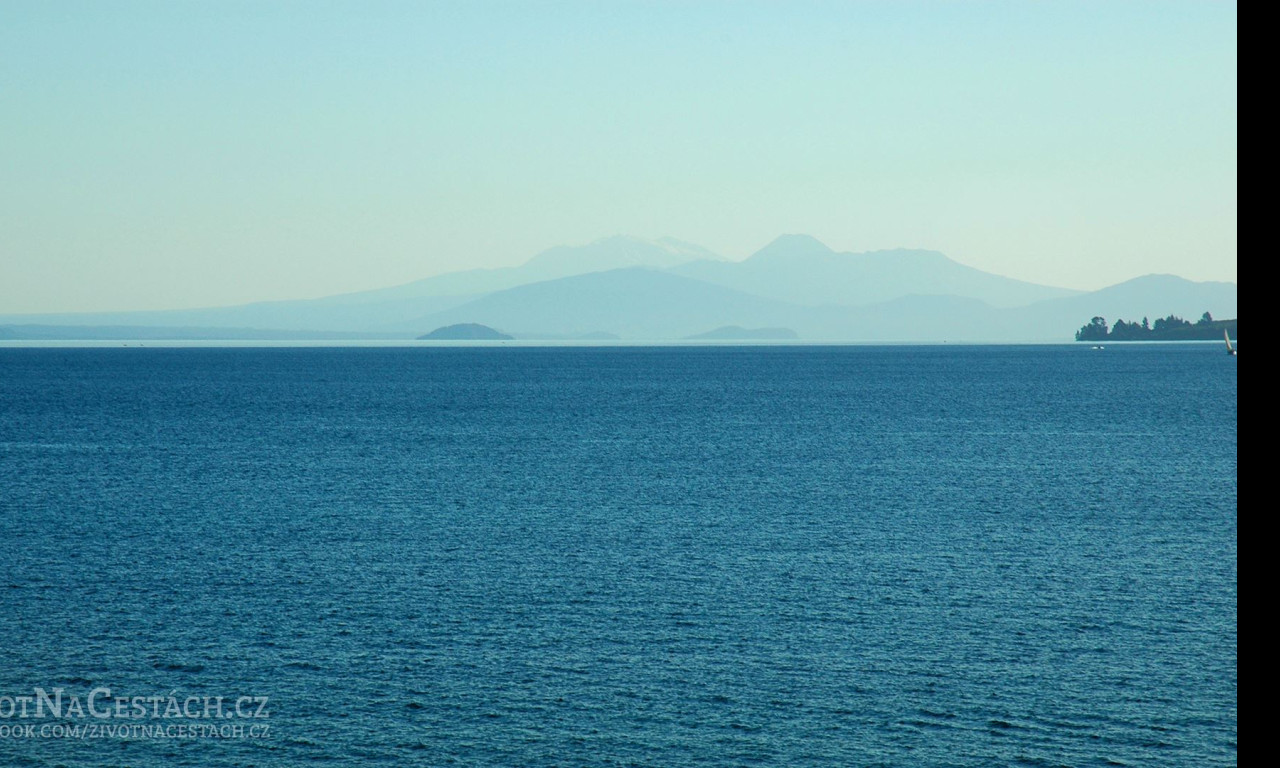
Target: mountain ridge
671, 289
802, 270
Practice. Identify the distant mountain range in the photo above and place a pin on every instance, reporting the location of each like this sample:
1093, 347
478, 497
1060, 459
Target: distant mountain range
801, 270
628, 288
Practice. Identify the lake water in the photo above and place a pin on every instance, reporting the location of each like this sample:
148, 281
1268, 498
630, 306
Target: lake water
697, 556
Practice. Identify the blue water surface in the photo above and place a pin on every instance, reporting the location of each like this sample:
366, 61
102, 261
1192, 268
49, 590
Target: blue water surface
696, 556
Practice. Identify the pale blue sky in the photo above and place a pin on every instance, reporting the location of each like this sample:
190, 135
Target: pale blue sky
188, 154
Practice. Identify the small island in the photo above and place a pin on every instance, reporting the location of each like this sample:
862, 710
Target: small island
738, 333
1171, 328
465, 332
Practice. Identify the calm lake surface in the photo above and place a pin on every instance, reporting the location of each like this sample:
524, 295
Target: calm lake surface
697, 556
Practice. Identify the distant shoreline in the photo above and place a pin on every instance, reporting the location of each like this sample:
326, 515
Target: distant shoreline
1171, 328
135, 344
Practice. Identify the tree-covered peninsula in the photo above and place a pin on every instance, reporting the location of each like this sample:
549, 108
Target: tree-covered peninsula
1171, 328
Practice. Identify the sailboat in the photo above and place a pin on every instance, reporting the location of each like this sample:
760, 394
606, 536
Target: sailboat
1230, 349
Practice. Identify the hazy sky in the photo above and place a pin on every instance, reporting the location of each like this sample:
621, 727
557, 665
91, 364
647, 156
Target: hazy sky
184, 154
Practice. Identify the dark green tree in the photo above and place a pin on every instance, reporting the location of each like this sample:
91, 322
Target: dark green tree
1096, 330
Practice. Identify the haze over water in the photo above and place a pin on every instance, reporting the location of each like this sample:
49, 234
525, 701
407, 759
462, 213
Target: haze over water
821, 556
